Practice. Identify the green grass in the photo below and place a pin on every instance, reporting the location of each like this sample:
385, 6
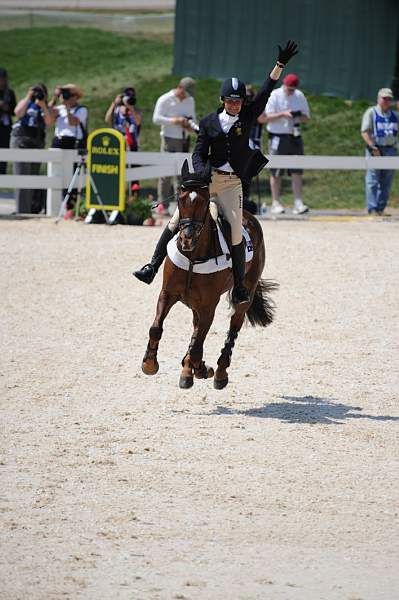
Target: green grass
102, 62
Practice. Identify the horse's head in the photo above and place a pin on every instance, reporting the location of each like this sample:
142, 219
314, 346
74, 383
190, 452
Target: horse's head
193, 205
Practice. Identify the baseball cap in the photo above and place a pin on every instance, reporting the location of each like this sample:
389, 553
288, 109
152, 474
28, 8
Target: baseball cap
188, 84
3, 73
385, 93
291, 80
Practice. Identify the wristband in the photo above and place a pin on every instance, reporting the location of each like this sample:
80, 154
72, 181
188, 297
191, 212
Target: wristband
280, 64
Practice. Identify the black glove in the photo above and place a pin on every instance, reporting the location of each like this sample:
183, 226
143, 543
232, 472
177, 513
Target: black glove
296, 113
288, 52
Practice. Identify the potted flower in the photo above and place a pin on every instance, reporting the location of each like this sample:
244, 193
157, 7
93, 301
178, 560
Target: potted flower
137, 210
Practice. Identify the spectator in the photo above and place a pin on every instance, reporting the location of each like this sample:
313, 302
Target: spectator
125, 117
172, 112
286, 109
255, 143
70, 118
7, 107
255, 136
29, 131
379, 130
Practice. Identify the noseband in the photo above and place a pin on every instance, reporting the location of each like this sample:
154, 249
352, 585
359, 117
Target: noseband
192, 227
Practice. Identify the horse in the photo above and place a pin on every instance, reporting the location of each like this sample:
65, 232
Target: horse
201, 292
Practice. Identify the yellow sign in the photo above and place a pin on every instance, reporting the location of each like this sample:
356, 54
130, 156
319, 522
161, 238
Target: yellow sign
105, 170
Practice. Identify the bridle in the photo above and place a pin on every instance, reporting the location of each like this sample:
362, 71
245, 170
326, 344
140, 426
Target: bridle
192, 227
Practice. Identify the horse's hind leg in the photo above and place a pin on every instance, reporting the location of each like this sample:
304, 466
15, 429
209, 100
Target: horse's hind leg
192, 361
150, 364
221, 377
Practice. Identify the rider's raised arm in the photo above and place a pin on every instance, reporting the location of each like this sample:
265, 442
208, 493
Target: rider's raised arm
258, 104
201, 150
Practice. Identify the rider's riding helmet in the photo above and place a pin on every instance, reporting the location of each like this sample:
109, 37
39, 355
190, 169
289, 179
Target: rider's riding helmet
233, 88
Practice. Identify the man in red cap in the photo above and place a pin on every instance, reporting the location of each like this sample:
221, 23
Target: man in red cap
285, 111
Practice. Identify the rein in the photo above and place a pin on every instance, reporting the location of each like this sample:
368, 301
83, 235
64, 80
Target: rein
198, 226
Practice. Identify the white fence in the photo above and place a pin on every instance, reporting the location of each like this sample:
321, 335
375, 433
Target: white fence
153, 165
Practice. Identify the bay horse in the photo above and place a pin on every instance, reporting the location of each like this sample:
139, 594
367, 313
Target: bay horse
201, 292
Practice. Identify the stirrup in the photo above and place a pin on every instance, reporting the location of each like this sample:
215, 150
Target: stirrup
146, 273
240, 294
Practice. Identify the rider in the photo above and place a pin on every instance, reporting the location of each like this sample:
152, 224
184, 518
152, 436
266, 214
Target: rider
223, 139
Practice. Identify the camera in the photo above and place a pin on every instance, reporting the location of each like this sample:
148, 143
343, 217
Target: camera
129, 99
296, 127
65, 93
192, 124
38, 93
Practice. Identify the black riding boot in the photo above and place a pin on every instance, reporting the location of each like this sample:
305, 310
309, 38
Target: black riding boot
240, 293
148, 272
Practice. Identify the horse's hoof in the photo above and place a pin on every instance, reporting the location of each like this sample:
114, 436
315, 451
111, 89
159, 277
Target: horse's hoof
219, 384
186, 382
150, 368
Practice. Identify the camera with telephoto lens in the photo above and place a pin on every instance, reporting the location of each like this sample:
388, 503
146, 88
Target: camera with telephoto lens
296, 127
38, 93
129, 99
65, 93
192, 124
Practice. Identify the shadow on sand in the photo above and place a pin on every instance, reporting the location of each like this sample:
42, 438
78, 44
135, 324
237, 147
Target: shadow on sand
304, 409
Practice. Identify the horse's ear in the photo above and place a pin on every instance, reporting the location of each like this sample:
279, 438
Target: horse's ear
185, 171
206, 175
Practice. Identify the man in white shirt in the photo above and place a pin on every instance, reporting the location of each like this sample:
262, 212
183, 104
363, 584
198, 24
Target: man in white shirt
172, 112
286, 109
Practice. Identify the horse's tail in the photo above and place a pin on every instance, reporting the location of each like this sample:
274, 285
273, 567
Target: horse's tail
261, 312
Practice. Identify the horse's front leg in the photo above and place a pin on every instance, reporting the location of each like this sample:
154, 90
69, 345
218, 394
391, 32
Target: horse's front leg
192, 362
150, 364
221, 376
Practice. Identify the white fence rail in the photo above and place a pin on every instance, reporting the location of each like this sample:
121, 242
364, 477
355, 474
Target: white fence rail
152, 165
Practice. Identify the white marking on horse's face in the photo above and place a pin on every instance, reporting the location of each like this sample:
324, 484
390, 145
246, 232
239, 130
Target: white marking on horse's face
193, 196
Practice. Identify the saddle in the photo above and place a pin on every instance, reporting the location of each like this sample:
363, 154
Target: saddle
225, 226
219, 254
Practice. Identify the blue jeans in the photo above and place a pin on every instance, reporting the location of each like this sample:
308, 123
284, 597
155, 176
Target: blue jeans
378, 183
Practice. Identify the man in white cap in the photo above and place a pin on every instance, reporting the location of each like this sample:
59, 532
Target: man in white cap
173, 112
379, 130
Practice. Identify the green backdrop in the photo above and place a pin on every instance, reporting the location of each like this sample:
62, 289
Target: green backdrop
347, 47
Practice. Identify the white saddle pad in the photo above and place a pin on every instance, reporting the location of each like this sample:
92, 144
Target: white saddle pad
213, 264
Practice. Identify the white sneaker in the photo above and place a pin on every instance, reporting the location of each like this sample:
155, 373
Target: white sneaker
277, 208
299, 208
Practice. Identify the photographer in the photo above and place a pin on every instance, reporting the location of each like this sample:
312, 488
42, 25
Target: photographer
174, 112
124, 116
7, 106
70, 118
286, 110
29, 131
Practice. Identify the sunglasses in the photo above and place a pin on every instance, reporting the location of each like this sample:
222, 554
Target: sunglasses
386, 98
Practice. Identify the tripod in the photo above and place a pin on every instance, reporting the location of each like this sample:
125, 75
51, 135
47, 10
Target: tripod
80, 170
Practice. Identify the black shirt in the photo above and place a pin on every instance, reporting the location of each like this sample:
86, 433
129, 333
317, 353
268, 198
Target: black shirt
8, 97
232, 147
